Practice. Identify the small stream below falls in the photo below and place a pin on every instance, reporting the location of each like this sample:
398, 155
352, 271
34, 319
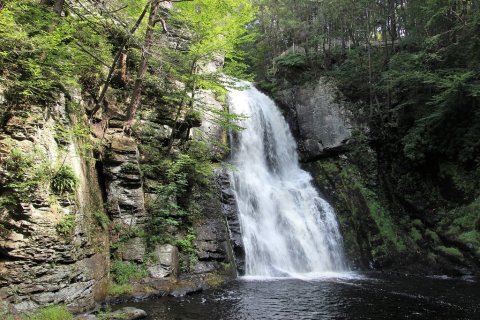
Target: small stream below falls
371, 296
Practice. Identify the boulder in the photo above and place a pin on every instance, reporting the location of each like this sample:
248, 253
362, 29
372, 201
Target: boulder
134, 250
166, 257
128, 313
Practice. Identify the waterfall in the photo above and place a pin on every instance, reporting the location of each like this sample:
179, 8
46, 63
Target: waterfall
288, 230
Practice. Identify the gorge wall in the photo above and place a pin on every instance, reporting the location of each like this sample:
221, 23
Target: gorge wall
88, 212
52, 248
379, 231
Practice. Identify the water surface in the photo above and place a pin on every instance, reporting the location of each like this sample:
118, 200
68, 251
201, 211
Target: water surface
371, 296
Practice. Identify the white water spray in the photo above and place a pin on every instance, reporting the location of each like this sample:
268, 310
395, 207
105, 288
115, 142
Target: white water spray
288, 230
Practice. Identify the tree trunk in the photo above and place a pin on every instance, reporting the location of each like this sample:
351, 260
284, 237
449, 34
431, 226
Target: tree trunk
137, 91
58, 7
123, 67
193, 71
101, 98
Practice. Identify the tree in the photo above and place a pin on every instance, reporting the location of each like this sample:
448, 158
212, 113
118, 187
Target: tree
57, 5
216, 30
153, 19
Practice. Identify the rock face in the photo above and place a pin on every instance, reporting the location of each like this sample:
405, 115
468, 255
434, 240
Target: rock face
134, 250
124, 186
320, 124
166, 262
229, 208
51, 249
211, 242
210, 130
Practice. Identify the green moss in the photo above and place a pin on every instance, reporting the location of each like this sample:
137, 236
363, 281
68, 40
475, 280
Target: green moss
51, 313
417, 223
214, 280
471, 237
415, 235
432, 235
432, 257
119, 289
66, 226
101, 219
459, 223
463, 180
383, 219
325, 170
452, 252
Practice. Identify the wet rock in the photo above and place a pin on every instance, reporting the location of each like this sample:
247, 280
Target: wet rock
128, 313
166, 257
134, 250
229, 209
205, 267
86, 317
187, 288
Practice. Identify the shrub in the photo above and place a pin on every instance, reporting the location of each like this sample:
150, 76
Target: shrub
26, 171
66, 226
291, 60
51, 313
64, 180
118, 289
124, 272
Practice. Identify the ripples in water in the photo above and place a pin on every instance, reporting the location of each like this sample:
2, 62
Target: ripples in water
335, 296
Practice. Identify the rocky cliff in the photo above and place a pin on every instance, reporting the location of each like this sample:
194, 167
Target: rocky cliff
53, 250
88, 211
379, 230
319, 121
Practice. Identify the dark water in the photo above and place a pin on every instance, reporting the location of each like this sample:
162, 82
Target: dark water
371, 296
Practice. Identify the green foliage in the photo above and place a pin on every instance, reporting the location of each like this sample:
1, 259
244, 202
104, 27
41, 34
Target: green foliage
129, 168
102, 219
118, 290
383, 220
415, 235
6, 201
39, 56
291, 60
471, 238
51, 313
64, 180
27, 171
432, 235
451, 252
123, 272
121, 233
172, 205
66, 226
187, 248
460, 223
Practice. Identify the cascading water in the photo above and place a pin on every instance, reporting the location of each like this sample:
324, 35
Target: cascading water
288, 230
